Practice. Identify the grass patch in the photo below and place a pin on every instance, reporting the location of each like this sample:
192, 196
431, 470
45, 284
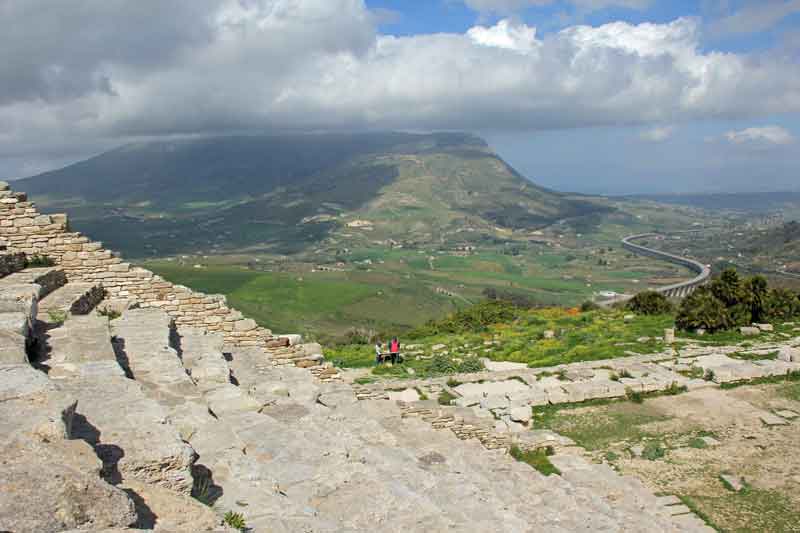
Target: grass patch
538, 459
594, 429
654, 450
752, 509
790, 391
688, 502
445, 398
422, 395
750, 356
697, 443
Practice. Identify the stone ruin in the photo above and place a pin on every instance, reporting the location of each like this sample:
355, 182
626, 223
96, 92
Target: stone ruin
174, 410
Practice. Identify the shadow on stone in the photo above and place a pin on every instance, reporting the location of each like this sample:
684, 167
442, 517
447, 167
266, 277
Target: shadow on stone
82, 429
122, 357
110, 454
146, 517
175, 341
204, 489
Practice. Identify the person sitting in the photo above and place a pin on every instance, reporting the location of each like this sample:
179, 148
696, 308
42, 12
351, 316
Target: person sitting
378, 352
394, 350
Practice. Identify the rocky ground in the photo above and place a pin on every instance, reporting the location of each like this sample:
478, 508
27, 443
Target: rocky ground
113, 417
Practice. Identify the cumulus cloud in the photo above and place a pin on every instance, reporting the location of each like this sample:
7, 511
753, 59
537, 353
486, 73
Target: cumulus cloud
762, 136
505, 35
657, 134
83, 74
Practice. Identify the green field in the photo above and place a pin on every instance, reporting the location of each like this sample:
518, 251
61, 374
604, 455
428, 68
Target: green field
395, 290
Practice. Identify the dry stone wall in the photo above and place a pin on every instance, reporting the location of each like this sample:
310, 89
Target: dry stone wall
25, 230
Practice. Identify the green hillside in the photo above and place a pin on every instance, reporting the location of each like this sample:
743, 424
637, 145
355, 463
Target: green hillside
267, 194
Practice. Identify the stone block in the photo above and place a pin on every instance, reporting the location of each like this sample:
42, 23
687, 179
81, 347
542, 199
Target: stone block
749, 331
520, 414
245, 325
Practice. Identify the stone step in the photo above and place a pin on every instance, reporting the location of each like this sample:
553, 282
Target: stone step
201, 354
142, 339
81, 340
71, 299
129, 431
18, 304
48, 279
628, 495
49, 481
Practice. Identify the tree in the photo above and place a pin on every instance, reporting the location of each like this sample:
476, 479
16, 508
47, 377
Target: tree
727, 288
650, 303
756, 294
782, 304
702, 309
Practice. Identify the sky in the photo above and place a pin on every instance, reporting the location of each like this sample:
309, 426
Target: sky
596, 96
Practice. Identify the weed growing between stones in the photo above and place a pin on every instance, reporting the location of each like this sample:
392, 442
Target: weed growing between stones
422, 395
538, 459
57, 316
697, 443
38, 261
445, 398
694, 373
634, 395
111, 314
749, 356
235, 520
653, 450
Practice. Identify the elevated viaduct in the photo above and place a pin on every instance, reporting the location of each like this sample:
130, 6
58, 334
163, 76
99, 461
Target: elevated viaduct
676, 290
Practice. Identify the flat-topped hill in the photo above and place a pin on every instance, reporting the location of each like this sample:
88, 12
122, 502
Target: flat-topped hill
287, 193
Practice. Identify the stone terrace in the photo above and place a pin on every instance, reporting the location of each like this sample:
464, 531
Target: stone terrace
114, 423
25, 230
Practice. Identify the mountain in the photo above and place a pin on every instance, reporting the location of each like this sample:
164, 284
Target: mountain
286, 194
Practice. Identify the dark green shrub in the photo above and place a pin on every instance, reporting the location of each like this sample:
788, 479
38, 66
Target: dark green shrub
756, 294
442, 364
702, 309
649, 303
782, 304
728, 287
471, 364
472, 319
589, 305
